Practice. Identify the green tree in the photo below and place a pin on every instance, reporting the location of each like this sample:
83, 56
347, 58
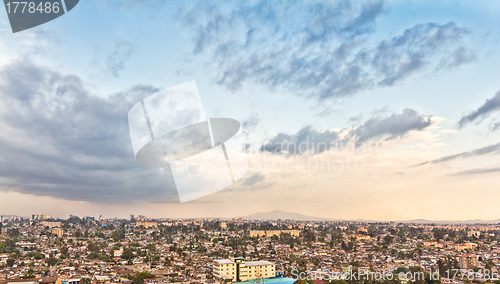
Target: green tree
29, 274
127, 254
64, 251
388, 239
489, 265
401, 269
118, 235
10, 262
13, 233
140, 276
51, 260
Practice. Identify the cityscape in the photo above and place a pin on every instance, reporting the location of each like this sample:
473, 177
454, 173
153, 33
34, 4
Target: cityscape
90, 250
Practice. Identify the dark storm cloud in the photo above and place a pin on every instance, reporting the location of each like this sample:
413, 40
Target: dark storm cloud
490, 106
488, 150
395, 125
317, 49
116, 59
58, 139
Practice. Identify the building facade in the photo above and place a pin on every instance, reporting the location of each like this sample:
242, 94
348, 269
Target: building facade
268, 234
357, 237
51, 224
147, 224
467, 261
237, 270
40, 217
58, 232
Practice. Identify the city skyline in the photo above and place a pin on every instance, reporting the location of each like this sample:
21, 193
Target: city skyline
272, 216
142, 251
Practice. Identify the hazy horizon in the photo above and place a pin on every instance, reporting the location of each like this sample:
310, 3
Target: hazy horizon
264, 216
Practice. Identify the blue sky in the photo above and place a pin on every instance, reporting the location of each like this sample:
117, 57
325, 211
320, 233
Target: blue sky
399, 73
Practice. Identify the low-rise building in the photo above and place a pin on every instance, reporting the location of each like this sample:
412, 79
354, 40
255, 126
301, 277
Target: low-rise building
293, 233
51, 224
357, 237
147, 224
58, 232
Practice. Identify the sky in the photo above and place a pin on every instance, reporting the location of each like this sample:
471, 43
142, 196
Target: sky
395, 102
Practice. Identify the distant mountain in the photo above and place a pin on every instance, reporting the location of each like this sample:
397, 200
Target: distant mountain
278, 214
441, 222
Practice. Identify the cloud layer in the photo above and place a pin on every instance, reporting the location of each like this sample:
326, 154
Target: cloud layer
488, 150
395, 125
490, 106
323, 50
116, 59
58, 139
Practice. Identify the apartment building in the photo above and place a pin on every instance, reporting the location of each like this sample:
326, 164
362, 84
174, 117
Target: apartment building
473, 233
51, 224
58, 232
224, 270
118, 253
357, 237
40, 217
147, 224
467, 261
237, 270
258, 269
465, 246
268, 234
